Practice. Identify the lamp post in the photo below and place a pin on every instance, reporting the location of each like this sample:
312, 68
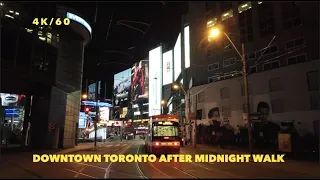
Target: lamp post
214, 33
176, 86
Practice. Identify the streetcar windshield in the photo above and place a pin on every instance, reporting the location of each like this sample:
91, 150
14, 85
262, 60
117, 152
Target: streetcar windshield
165, 131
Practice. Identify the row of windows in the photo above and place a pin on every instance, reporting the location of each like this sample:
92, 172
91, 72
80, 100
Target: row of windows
253, 69
276, 84
290, 13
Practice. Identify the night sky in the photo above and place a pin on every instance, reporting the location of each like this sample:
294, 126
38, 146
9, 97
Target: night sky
114, 46
116, 49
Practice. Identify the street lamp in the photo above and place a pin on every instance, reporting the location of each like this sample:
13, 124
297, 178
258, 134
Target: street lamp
84, 96
214, 33
176, 86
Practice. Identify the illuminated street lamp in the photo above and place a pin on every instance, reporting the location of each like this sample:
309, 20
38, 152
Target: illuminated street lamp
84, 96
163, 102
214, 33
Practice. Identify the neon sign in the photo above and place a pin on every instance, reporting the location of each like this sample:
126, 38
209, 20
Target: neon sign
79, 20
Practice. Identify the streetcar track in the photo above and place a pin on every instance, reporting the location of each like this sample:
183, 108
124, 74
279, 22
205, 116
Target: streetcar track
138, 167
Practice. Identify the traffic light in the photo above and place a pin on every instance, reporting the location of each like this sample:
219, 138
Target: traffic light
86, 110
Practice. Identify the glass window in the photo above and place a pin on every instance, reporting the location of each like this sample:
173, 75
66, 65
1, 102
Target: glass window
165, 131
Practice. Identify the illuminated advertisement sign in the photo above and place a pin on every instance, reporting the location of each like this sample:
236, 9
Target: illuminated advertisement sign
93, 104
104, 113
124, 112
187, 47
167, 74
177, 57
13, 99
82, 120
140, 81
122, 83
155, 81
79, 20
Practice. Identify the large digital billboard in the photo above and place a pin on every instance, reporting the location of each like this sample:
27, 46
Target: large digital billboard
186, 47
167, 72
122, 83
177, 58
140, 82
155, 81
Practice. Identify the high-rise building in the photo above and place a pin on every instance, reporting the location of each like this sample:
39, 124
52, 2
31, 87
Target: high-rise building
281, 43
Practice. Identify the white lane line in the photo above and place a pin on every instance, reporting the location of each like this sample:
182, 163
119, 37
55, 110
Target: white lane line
81, 173
184, 172
154, 167
118, 145
107, 170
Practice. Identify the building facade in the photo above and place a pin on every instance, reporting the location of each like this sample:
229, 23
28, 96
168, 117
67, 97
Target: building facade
46, 64
282, 52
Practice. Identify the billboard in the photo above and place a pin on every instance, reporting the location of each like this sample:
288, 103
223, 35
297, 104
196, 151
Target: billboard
155, 81
140, 82
167, 64
13, 99
177, 57
82, 120
92, 91
121, 84
186, 47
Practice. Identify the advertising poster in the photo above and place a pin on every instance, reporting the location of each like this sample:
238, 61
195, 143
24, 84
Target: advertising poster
155, 81
122, 84
167, 67
140, 82
12, 99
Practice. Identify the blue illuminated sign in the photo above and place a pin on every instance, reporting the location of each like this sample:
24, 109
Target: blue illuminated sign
79, 20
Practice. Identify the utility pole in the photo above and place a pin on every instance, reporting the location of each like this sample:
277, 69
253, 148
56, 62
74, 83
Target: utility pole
195, 123
97, 115
2, 110
246, 90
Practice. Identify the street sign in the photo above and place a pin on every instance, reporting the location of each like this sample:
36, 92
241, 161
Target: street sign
52, 127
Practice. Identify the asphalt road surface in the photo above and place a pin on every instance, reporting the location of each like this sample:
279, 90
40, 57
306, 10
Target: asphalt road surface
154, 170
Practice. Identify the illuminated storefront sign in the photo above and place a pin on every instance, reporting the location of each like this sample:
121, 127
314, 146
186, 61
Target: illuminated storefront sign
78, 19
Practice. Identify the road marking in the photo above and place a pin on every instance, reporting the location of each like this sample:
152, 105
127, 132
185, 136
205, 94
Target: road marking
201, 166
154, 167
184, 172
107, 170
137, 166
80, 173
118, 145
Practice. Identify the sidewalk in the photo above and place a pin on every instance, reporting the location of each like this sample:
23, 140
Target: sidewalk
312, 168
15, 165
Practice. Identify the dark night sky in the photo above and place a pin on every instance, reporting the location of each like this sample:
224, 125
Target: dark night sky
124, 46
164, 18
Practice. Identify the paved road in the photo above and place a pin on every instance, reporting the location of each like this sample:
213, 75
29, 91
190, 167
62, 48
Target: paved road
151, 170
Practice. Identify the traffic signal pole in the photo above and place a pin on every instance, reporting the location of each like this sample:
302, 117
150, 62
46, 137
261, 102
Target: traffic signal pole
97, 117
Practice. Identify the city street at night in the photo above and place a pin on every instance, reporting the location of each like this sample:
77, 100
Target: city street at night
22, 166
